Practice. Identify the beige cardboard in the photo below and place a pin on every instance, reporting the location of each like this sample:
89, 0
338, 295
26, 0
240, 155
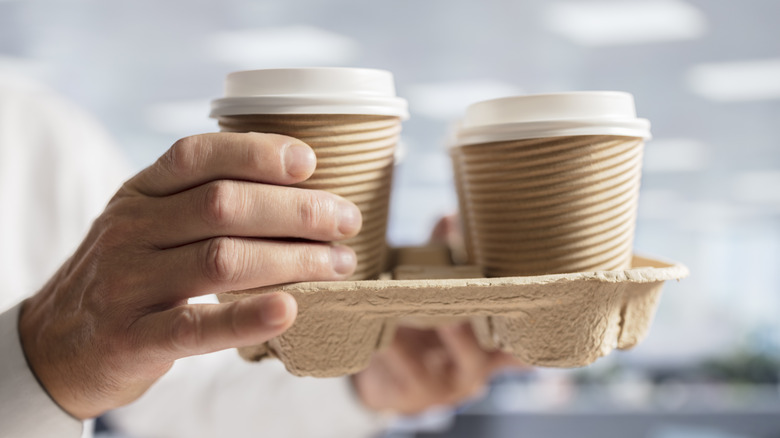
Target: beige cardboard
355, 158
433, 255
561, 320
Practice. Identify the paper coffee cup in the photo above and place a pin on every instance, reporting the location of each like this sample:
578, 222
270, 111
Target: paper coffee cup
550, 182
461, 249
352, 120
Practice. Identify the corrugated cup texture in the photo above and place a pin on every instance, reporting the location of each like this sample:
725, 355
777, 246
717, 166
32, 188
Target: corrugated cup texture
355, 157
551, 205
465, 225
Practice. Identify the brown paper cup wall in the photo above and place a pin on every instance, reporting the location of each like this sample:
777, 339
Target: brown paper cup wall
355, 158
463, 212
552, 205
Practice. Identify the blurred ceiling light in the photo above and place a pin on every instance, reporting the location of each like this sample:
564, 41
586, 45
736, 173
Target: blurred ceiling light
448, 100
736, 81
295, 46
674, 155
180, 118
761, 187
613, 23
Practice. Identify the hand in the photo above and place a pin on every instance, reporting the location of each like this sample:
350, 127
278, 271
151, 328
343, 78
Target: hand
115, 316
426, 368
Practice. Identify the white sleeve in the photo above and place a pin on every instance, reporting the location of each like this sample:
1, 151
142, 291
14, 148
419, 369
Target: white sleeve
26, 410
222, 395
57, 170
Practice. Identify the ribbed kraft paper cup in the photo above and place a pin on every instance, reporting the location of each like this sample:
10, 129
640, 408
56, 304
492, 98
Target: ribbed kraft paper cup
553, 233
352, 120
556, 194
538, 170
465, 221
551, 182
539, 244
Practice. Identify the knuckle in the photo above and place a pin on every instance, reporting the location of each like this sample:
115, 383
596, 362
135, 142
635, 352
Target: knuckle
317, 212
183, 157
219, 207
115, 230
222, 260
187, 329
125, 223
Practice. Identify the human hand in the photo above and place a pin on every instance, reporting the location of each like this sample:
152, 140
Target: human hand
426, 368
115, 316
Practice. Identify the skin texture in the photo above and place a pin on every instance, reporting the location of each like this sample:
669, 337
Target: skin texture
213, 215
205, 218
426, 368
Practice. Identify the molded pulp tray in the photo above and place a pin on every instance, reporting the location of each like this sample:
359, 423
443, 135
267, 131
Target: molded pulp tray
562, 320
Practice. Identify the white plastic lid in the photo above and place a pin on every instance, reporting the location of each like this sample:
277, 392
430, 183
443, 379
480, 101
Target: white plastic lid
552, 115
322, 90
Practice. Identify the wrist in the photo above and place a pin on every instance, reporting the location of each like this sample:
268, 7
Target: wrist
28, 410
33, 346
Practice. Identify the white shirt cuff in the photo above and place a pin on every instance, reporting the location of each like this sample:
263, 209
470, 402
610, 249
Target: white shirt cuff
26, 410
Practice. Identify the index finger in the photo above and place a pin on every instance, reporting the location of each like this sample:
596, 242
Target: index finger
196, 160
464, 348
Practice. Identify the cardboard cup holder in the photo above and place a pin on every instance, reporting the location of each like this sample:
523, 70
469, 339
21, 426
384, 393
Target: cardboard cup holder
560, 320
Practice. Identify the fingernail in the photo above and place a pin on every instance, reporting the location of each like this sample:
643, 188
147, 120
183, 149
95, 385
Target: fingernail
276, 311
350, 219
299, 160
343, 259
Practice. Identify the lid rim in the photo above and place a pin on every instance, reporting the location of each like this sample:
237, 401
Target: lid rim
320, 104
560, 94
560, 107
629, 127
328, 90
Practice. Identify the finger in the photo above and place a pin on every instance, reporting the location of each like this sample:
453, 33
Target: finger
444, 229
243, 209
463, 346
192, 161
406, 365
469, 358
378, 386
411, 380
204, 328
225, 264
426, 347
499, 360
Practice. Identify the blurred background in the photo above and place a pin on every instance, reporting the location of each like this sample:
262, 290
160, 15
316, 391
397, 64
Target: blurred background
705, 72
